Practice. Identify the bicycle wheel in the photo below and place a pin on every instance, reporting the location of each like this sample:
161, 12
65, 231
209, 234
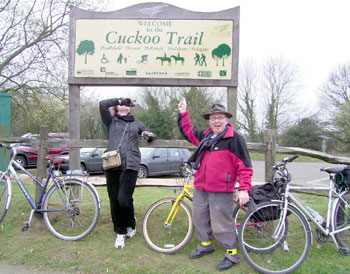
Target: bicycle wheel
238, 215
5, 194
72, 210
283, 253
341, 219
167, 239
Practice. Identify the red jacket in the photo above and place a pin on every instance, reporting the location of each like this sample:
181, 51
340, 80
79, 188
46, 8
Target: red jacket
224, 164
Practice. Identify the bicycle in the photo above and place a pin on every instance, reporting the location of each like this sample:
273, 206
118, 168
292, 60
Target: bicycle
281, 244
160, 230
69, 205
167, 224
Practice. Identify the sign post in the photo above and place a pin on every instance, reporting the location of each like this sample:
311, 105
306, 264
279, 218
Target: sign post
152, 44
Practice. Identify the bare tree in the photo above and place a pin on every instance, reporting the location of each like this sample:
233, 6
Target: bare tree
33, 50
247, 92
280, 85
336, 91
31, 37
335, 104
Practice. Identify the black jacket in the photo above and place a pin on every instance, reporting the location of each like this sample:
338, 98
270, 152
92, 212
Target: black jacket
130, 152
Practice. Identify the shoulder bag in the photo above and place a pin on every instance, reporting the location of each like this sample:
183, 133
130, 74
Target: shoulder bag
112, 159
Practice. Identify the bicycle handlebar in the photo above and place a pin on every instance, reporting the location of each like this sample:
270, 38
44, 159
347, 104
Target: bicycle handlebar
284, 162
291, 159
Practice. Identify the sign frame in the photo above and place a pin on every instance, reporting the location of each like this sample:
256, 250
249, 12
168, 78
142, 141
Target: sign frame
154, 11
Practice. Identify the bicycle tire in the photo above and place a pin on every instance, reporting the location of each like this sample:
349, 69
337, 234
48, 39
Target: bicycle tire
74, 217
167, 239
341, 217
5, 194
283, 254
239, 214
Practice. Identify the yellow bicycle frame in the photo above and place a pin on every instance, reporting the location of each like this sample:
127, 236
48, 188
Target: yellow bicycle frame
176, 206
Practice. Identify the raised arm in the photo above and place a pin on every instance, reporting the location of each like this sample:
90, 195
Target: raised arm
106, 110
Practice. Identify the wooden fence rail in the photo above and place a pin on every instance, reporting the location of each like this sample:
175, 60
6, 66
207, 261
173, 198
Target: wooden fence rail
269, 147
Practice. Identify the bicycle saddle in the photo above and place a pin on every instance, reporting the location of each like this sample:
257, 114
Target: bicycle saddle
333, 169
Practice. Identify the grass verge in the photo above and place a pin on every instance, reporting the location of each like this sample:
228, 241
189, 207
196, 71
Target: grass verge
38, 249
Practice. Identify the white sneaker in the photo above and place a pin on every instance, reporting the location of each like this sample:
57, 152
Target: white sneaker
130, 233
119, 241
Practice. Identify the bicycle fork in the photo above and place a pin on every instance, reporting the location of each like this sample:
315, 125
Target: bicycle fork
281, 224
174, 210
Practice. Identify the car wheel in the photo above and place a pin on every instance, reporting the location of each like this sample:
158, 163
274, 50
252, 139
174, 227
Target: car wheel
21, 160
143, 172
186, 170
82, 167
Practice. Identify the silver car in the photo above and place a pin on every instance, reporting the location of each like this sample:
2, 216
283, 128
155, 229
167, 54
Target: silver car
162, 161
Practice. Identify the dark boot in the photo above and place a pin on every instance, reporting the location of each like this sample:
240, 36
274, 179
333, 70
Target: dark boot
195, 254
225, 264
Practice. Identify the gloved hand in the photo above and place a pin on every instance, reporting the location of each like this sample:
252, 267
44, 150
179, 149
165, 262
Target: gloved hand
148, 136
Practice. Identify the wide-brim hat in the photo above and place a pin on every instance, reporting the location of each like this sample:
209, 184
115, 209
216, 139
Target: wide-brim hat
217, 108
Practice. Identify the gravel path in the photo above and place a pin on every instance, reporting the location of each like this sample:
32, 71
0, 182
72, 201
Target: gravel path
6, 268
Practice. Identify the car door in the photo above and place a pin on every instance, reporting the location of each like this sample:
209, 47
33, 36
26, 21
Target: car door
175, 157
158, 162
94, 162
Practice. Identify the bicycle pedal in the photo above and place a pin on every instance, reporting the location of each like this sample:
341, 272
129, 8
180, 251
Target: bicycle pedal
25, 226
344, 251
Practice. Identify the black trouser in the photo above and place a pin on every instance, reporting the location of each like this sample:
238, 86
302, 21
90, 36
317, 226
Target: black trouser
120, 186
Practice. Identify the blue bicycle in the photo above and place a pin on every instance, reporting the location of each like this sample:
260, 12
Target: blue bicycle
70, 206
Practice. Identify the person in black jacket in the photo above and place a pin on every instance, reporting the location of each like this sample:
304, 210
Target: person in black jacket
121, 181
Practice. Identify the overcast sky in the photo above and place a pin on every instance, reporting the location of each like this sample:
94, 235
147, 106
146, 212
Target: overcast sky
312, 34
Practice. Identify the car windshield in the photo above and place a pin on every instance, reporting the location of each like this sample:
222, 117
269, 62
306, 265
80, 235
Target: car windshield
145, 151
86, 151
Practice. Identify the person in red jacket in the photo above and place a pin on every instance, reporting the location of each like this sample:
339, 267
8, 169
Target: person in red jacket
221, 159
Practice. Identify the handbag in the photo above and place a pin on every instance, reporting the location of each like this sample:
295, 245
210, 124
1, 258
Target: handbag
112, 159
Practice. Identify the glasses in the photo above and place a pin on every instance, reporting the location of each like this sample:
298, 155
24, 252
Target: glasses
219, 118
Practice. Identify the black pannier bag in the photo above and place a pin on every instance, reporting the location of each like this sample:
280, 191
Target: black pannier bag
342, 179
263, 193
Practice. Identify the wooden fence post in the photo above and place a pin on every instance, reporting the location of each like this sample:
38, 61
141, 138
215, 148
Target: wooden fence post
41, 167
74, 125
270, 154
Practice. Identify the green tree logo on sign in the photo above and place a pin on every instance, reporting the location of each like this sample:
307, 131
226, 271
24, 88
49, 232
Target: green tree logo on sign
223, 51
86, 48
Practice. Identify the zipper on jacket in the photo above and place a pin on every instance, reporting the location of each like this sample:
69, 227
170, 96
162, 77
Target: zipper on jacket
228, 179
205, 171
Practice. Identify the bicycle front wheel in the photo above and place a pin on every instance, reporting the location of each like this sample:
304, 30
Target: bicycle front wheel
341, 220
5, 194
270, 252
239, 213
71, 211
167, 238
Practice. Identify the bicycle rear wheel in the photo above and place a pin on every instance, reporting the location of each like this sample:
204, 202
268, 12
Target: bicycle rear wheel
5, 194
72, 210
167, 239
341, 220
267, 253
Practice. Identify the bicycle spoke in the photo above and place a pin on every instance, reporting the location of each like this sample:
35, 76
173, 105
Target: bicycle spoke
172, 237
268, 252
77, 210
